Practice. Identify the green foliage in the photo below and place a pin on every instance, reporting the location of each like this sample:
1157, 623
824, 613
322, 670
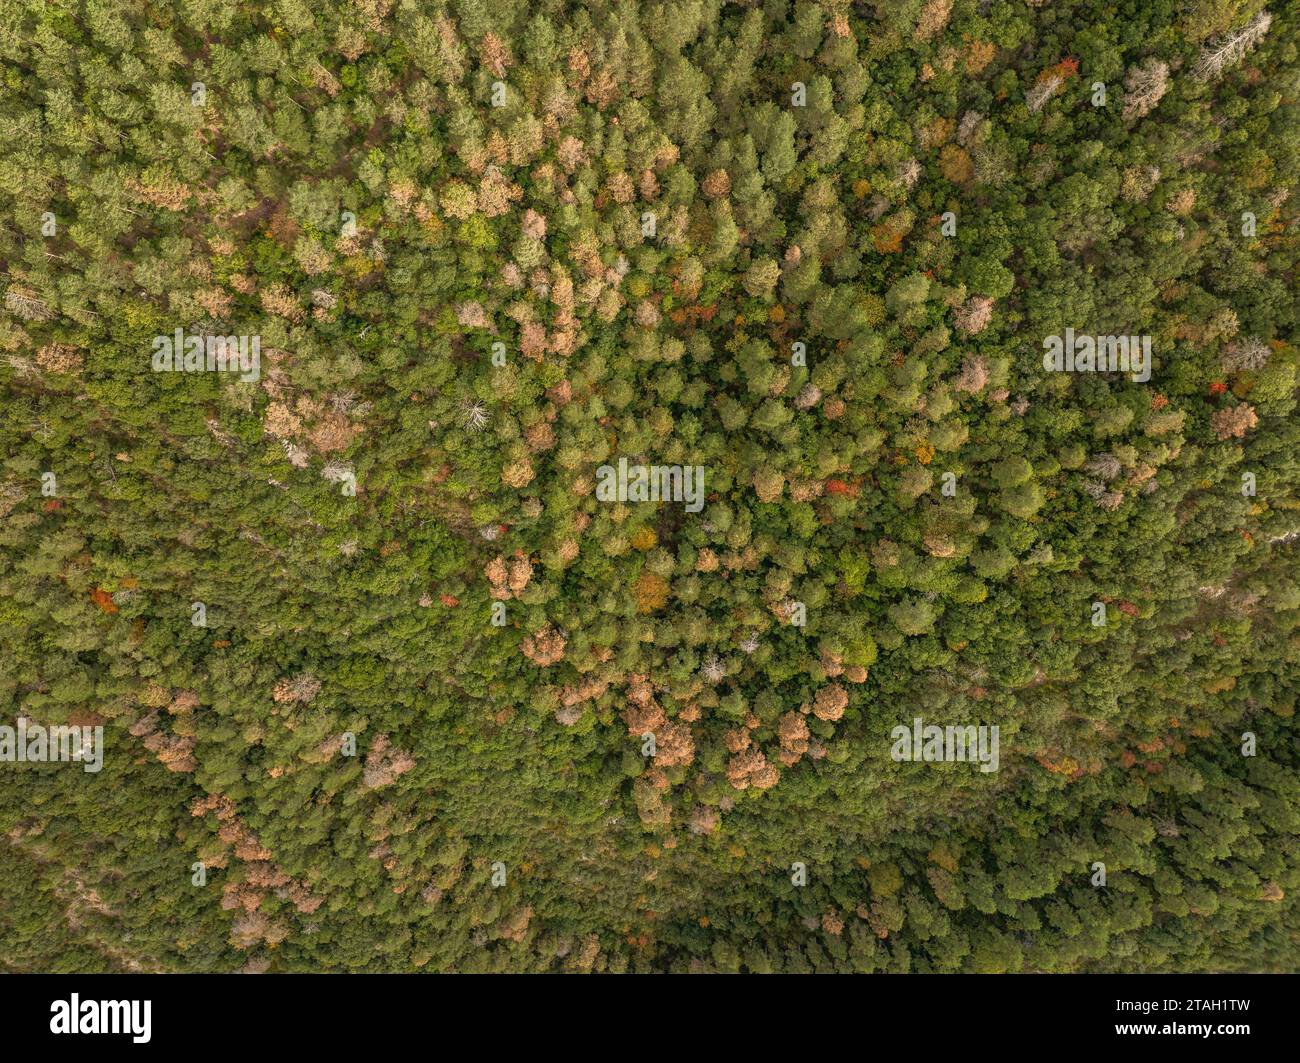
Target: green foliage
490, 247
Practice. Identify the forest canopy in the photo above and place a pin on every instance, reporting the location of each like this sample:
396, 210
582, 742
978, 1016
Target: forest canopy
656, 485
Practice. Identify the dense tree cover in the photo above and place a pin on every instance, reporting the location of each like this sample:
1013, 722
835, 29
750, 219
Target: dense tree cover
812, 248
